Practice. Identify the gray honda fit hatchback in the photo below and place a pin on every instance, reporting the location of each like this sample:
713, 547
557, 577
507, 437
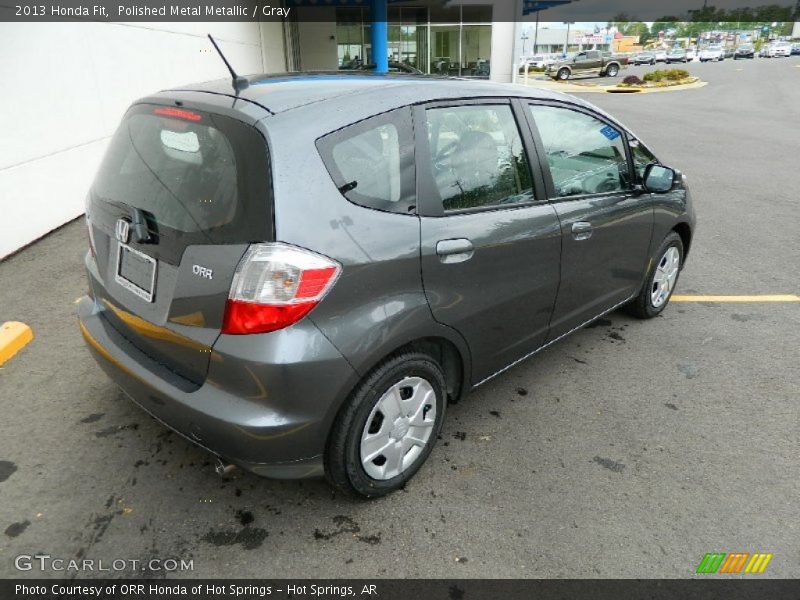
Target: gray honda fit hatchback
299, 276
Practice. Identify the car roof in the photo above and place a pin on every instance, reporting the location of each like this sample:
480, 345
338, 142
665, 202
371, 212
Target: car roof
285, 92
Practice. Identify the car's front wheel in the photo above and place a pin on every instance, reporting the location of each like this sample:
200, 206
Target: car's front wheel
661, 279
388, 426
563, 74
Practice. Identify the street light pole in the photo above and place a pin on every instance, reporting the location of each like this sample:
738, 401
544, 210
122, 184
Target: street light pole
566, 42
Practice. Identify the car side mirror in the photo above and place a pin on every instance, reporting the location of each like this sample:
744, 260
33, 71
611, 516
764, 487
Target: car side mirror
659, 179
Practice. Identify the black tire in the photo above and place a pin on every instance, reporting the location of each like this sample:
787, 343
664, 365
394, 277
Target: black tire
642, 306
563, 74
343, 466
612, 70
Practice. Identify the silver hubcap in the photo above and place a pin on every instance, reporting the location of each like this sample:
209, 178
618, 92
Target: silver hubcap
665, 277
398, 428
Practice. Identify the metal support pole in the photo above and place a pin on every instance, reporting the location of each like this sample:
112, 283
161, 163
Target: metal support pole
566, 42
380, 35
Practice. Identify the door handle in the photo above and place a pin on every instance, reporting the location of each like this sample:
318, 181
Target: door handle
454, 251
581, 230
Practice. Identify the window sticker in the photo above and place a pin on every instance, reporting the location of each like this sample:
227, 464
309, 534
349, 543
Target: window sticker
610, 132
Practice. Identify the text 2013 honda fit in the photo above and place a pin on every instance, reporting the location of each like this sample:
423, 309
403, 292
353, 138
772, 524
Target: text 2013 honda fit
298, 276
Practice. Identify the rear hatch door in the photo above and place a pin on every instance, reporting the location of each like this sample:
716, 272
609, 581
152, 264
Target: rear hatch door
180, 194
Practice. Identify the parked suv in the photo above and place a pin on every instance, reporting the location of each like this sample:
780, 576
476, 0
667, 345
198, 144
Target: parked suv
299, 276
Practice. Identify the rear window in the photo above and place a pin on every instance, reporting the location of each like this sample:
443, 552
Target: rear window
197, 176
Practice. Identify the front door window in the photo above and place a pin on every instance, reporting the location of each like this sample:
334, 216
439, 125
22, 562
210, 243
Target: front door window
585, 155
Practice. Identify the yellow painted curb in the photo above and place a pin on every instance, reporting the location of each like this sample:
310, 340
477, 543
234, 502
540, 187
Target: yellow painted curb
14, 336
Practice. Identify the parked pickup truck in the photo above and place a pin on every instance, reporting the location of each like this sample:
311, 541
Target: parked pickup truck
590, 62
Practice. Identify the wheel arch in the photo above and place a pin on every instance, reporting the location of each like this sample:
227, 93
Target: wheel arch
455, 367
685, 231
445, 352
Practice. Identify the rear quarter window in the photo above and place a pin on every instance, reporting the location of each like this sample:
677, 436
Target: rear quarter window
372, 162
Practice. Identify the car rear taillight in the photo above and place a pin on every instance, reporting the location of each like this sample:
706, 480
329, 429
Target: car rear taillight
276, 285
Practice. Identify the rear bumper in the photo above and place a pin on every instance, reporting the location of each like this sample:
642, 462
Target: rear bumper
271, 416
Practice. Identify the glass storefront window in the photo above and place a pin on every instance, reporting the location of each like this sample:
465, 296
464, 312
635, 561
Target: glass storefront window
445, 50
476, 50
408, 44
439, 40
349, 38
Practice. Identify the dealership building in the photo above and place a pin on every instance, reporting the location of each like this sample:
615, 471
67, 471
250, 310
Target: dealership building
69, 83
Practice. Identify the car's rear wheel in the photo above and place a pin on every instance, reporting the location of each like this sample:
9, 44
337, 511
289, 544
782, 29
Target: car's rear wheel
563, 74
612, 70
388, 426
661, 279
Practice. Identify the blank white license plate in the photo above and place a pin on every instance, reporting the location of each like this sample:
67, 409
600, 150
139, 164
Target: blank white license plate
136, 272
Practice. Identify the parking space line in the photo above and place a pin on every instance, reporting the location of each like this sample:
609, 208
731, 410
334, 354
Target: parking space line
760, 298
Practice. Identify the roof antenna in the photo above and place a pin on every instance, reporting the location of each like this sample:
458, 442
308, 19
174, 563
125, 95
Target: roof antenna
239, 83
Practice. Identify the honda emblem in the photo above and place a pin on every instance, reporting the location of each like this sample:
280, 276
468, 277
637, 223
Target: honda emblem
123, 230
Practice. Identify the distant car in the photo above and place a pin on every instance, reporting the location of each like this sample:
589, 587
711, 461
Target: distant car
677, 55
795, 49
764, 52
540, 61
643, 58
590, 62
691, 54
715, 53
746, 51
661, 56
780, 49
728, 52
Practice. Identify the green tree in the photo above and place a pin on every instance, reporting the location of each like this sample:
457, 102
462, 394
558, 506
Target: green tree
625, 26
639, 29
663, 25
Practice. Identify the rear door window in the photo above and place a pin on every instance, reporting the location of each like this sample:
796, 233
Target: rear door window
477, 159
197, 177
372, 162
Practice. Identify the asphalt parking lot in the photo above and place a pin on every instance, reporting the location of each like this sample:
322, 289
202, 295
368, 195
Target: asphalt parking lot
628, 450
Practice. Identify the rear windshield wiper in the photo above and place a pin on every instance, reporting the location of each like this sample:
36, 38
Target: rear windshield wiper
141, 234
